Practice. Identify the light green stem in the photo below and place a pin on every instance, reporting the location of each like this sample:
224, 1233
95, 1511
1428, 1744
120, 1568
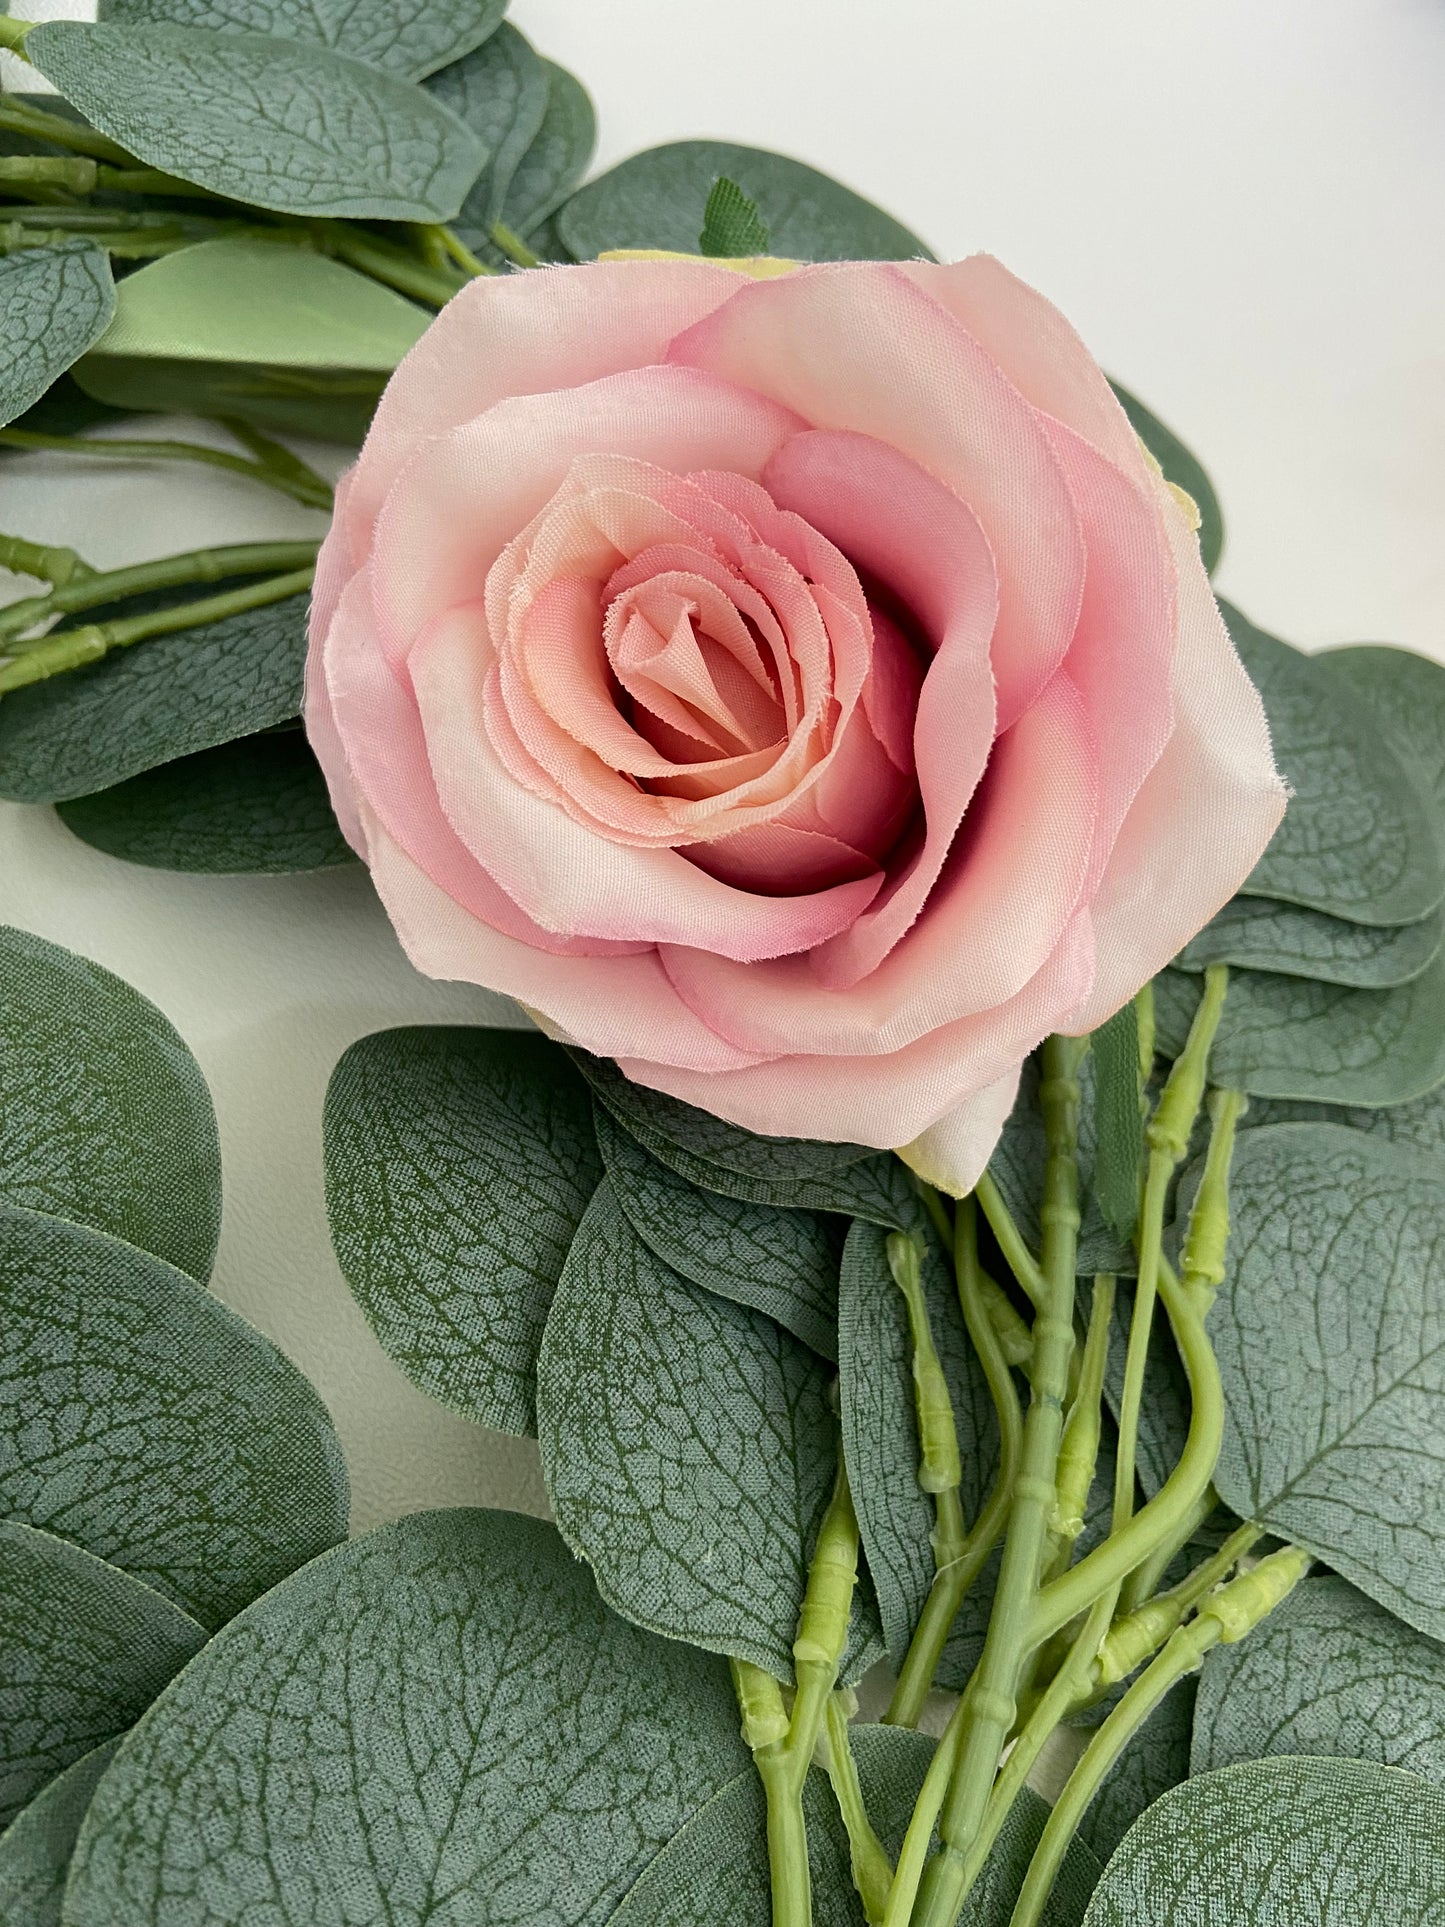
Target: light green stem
1146, 1576
19, 118
1083, 1429
388, 264
53, 565
1020, 1260
513, 246
455, 249
872, 1869
313, 492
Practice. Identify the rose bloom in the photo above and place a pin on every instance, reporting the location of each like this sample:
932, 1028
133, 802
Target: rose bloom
799, 686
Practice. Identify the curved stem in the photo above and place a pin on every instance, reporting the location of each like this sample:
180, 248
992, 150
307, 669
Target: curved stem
513, 246
1020, 1260
313, 493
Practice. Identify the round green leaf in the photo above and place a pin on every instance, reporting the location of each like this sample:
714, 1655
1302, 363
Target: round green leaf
1282, 1843
1330, 1336
408, 41
1182, 467
152, 1426
780, 1261
1421, 1124
656, 200
501, 93
84, 1649
688, 1448
35, 1849
298, 129
255, 807
558, 156
437, 1723
1329, 1672
106, 1118
458, 1166
1405, 694
136, 708
55, 301
1281, 937
1359, 839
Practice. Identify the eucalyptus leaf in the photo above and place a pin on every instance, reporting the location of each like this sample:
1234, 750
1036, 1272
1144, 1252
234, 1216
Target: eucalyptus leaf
1281, 1843
458, 1166
501, 92
84, 1649
1359, 839
294, 128
1289, 1037
152, 1426
1282, 937
558, 155
56, 301
35, 1849
1017, 1168
880, 1431
778, 1261
655, 200
106, 1118
409, 41
1181, 467
1421, 1124
1156, 1758
255, 807
94, 727
687, 1446
1118, 1120
1405, 694
436, 1723
318, 404
1330, 1673
1330, 1337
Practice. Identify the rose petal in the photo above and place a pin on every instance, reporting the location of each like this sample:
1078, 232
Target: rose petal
952, 1154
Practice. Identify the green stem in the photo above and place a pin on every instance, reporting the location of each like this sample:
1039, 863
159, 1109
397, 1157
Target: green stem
307, 488
872, 1869
1010, 1639
75, 647
1020, 1260
75, 173
455, 249
1138, 1634
93, 590
390, 265
1083, 1429
1141, 1582
513, 246
55, 566
13, 33
278, 461
913, 1855
16, 118
789, 1878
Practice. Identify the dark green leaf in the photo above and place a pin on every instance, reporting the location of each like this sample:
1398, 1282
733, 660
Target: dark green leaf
56, 301
298, 129
35, 1850
779, 1261
1329, 1672
1156, 1758
687, 1445
436, 1723
558, 156
1118, 1120
1282, 1843
84, 1649
1405, 694
1181, 467
1331, 1342
1358, 839
1282, 937
458, 1166
321, 404
501, 93
255, 807
152, 1426
1293, 1038
408, 41
652, 201
165, 698
105, 1118
1017, 1167
732, 228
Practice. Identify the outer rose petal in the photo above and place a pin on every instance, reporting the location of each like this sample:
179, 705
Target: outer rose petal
952, 1153
1204, 815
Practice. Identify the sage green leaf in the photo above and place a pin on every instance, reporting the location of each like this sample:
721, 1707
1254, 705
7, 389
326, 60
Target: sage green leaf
1017, 1168
1421, 1124
1118, 1120
436, 1723
152, 1426
297, 129
55, 301
778, 1261
1281, 1843
655, 200
84, 1649
1156, 1758
687, 1446
1330, 1337
408, 42
1329, 1672
1181, 467
458, 1166
1292, 1038
1359, 839
255, 807
880, 1431
319, 404
1405, 694
547, 244
501, 93
106, 1118
166, 698
1282, 937
558, 156
260, 302
732, 228
35, 1849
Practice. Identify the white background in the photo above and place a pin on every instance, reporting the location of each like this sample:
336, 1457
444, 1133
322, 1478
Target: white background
1240, 203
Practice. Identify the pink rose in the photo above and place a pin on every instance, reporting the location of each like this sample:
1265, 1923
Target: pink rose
802, 690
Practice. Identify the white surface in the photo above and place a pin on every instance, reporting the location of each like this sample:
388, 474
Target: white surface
1240, 205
